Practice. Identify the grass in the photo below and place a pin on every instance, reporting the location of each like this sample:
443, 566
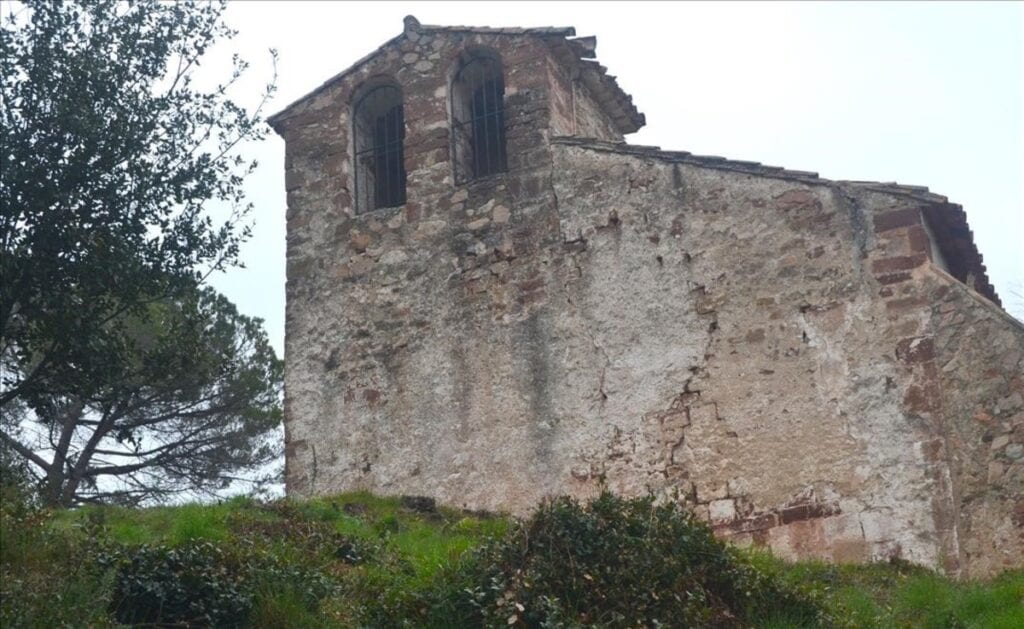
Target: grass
373, 547
903, 595
171, 525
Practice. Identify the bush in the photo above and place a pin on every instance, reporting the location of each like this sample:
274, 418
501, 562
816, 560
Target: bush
48, 577
191, 585
363, 561
202, 584
17, 490
612, 563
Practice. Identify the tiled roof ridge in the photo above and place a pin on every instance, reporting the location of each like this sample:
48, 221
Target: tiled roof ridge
714, 161
547, 31
921, 193
578, 52
950, 217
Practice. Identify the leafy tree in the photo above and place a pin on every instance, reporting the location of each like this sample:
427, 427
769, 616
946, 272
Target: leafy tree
110, 153
197, 406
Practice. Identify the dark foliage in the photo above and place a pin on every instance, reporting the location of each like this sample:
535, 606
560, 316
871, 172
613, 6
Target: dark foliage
288, 564
612, 563
202, 584
195, 411
420, 504
110, 153
189, 586
310, 537
48, 578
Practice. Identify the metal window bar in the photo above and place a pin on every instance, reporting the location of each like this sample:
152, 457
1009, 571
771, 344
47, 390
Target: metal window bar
482, 135
380, 166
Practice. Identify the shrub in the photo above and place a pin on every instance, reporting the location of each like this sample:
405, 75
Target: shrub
48, 577
203, 583
612, 563
190, 585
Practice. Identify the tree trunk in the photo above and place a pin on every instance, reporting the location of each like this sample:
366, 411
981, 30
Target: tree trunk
52, 491
77, 473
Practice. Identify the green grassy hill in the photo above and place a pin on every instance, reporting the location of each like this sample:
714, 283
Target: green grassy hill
362, 560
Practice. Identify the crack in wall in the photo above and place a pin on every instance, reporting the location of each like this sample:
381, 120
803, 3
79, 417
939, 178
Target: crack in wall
585, 324
858, 218
315, 471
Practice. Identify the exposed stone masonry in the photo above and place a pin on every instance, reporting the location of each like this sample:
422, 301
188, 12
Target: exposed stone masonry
821, 367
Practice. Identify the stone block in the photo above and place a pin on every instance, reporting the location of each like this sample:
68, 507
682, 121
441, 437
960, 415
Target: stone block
757, 522
877, 526
918, 349
999, 442
995, 471
897, 218
795, 514
722, 511
853, 550
918, 240
500, 214
893, 278
796, 198
708, 490
898, 263
846, 526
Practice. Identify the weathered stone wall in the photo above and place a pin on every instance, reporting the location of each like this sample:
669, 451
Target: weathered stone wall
847, 400
963, 355
749, 361
574, 109
774, 349
978, 368
348, 274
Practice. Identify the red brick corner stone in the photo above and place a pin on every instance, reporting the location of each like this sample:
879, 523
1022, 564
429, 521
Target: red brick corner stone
898, 263
897, 218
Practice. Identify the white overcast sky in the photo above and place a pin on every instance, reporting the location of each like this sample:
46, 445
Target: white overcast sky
919, 93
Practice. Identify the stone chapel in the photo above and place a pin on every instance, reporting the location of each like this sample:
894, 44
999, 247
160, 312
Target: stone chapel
493, 298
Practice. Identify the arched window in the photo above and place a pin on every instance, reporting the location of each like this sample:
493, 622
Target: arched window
478, 118
378, 133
